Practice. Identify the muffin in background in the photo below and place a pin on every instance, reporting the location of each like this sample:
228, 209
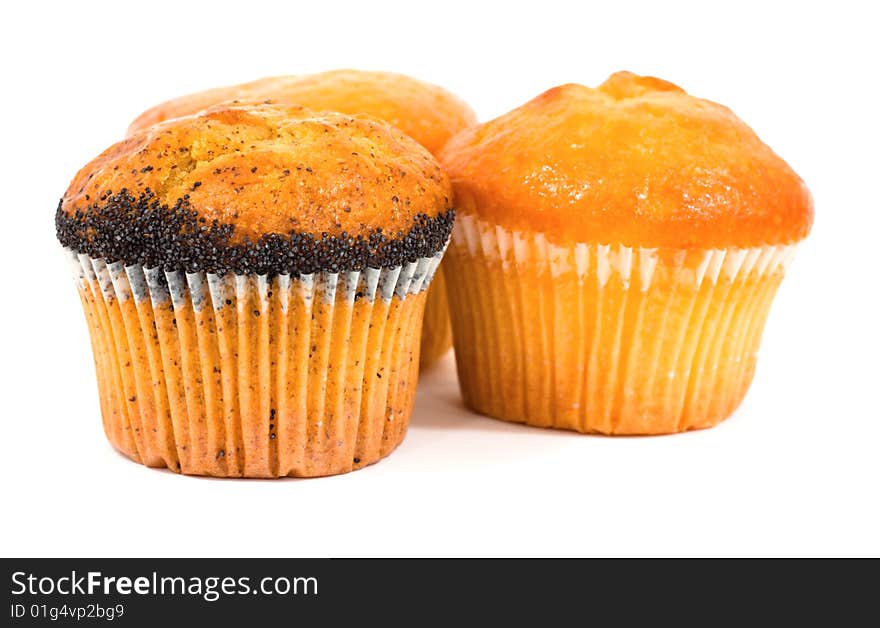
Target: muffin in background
254, 292
427, 113
616, 251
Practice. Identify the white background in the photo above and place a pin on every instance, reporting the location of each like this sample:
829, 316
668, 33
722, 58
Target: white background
794, 472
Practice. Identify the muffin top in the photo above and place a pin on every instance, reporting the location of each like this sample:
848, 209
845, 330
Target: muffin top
636, 161
265, 189
425, 112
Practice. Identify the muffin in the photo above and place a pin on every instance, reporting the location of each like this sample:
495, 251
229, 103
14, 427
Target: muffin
425, 112
253, 278
616, 251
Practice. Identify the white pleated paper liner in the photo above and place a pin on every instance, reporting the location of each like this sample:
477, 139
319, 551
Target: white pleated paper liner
605, 338
255, 376
628, 264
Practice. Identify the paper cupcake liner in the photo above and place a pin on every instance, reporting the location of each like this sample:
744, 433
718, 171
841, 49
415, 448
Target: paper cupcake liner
245, 375
605, 338
436, 329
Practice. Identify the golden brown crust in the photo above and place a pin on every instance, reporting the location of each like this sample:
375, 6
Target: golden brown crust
425, 112
274, 169
636, 161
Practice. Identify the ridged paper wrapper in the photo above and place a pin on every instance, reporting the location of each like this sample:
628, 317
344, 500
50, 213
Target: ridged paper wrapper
437, 329
604, 337
254, 376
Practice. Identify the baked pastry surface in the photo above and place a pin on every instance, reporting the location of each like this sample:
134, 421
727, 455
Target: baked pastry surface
425, 112
636, 161
265, 189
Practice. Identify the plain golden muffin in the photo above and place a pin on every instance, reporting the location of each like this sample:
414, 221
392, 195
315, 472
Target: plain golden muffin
616, 250
425, 112
254, 280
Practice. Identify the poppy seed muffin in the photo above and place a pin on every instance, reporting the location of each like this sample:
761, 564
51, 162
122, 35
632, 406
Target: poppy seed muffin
617, 250
427, 113
254, 279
